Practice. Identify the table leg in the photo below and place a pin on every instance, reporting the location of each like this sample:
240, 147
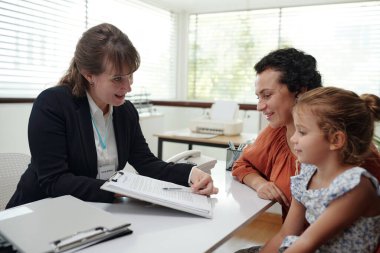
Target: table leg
159, 150
190, 146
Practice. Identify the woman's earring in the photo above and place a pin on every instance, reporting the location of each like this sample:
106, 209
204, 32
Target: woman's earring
296, 97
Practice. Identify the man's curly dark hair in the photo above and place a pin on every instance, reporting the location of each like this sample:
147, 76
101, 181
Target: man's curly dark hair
299, 70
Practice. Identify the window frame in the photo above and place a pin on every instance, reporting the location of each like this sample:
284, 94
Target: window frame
281, 45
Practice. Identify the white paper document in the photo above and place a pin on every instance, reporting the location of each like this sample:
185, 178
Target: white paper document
159, 192
224, 111
188, 133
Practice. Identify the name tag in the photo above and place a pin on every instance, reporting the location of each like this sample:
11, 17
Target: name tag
106, 171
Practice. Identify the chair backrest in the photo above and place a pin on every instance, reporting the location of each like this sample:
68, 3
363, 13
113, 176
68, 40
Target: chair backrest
12, 165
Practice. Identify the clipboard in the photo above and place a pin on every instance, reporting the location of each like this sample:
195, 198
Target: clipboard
159, 192
61, 224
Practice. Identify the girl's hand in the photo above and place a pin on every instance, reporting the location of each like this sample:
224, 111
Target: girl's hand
201, 182
270, 191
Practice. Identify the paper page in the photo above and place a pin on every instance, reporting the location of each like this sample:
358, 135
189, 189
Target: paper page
150, 189
14, 212
187, 133
224, 110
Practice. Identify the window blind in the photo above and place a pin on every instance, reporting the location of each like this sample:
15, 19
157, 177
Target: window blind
152, 32
37, 39
223, 48
344, 38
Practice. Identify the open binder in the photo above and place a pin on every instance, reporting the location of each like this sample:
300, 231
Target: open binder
61, 224
159, 192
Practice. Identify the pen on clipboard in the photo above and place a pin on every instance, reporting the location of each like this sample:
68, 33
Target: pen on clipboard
172, 188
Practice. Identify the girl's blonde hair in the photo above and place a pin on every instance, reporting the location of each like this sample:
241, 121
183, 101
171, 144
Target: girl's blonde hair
338, 109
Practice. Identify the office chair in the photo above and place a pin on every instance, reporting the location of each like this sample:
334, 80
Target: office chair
12, 165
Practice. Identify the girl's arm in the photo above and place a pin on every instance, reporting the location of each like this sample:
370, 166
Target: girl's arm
340, 214
294, 225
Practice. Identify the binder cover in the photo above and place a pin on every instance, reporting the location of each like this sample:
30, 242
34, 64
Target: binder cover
59, 224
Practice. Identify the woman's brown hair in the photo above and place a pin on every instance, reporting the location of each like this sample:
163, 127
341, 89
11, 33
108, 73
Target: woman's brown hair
100, 45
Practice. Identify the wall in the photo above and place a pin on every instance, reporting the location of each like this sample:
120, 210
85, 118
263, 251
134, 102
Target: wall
14, 124
13, 128
179, 118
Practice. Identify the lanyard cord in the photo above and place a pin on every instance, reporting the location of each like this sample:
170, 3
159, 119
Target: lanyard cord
103, 143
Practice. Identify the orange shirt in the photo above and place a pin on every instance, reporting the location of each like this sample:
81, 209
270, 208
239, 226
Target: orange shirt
270, 156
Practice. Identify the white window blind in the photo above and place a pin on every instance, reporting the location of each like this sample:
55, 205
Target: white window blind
344, 38
152, 31
223, 49
38, 38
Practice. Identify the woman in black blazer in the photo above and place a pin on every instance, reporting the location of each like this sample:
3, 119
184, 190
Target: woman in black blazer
81, 131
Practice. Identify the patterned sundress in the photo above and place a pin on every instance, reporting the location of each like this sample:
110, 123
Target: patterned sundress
362, 236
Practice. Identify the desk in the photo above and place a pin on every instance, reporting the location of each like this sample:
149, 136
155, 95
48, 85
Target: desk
220, 141
160, 229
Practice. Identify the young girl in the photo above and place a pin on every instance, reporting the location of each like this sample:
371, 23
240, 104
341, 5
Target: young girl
339, 199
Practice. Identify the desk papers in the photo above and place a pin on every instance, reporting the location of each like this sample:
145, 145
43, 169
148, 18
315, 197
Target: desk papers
188, 133
159, 192
224, 111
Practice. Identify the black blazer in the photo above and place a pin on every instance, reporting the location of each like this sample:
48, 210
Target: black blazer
64, 159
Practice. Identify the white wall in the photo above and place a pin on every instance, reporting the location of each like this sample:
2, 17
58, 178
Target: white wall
13, 128
14, 123
179, 118
210, 6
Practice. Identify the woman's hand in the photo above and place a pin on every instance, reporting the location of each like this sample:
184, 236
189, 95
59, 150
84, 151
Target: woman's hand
269, 190
201, 182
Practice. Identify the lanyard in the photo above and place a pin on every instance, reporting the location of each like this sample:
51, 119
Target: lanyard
103, 142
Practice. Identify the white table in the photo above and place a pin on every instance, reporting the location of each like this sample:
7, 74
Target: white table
160, 229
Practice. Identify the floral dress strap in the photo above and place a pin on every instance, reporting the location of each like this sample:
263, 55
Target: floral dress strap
348, 180
299, 183
362, 236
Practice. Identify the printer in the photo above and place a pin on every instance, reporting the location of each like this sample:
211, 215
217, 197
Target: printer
222, 120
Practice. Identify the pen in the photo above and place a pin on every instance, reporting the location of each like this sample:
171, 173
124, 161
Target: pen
231, 145
172, 188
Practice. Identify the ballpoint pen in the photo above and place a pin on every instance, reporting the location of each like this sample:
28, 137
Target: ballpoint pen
172, 188
231, 145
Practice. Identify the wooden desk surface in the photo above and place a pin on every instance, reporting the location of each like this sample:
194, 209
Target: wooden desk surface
220, 139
